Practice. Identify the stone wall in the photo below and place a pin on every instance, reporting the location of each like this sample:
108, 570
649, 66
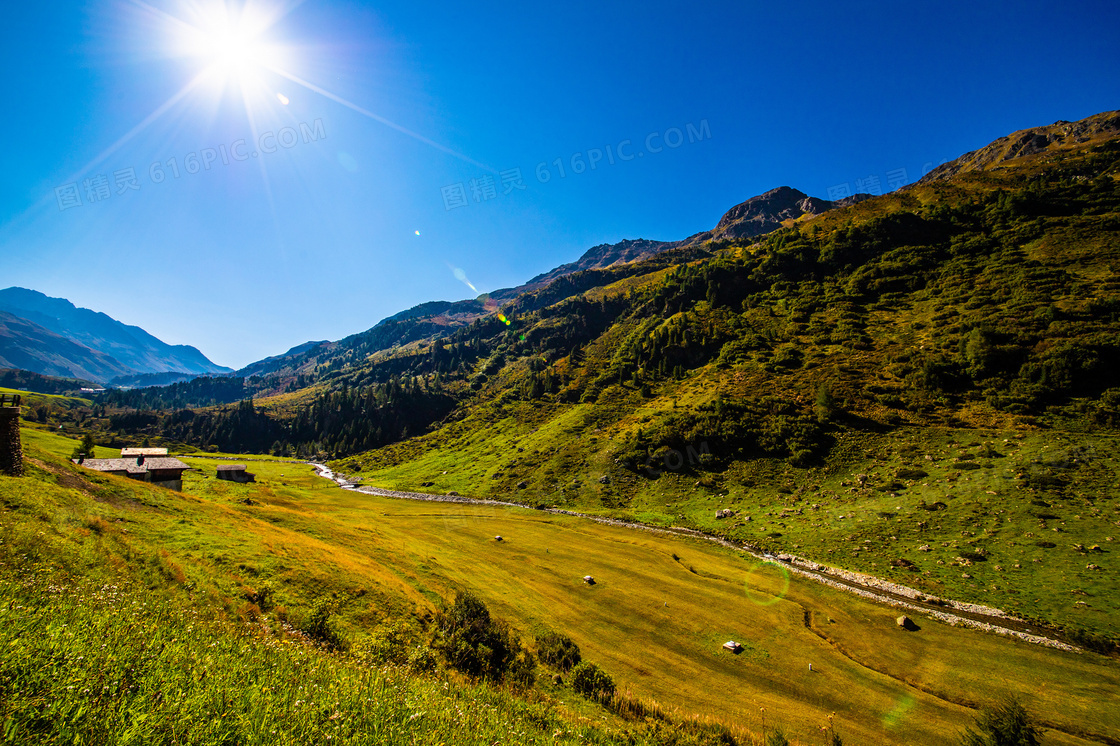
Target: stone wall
11, 447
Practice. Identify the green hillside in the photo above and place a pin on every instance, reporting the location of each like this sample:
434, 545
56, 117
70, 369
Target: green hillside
289, 610
919, 386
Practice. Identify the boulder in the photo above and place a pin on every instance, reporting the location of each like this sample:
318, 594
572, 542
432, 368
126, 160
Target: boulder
906, 623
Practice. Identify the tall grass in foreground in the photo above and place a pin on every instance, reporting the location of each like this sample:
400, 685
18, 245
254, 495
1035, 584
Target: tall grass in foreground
92, 660
102, 665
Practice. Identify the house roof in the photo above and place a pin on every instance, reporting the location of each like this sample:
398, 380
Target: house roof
231, 467
134, 452
127, 465
166, 462
130, 466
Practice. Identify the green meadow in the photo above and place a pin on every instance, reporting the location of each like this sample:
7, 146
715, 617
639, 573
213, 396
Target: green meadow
186, 648
1033, 509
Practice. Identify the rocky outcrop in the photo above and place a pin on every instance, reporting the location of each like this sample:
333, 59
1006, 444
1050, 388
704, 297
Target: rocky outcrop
1030, 142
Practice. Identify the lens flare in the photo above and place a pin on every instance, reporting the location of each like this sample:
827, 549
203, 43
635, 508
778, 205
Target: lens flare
461, 276
892, 718
757, 597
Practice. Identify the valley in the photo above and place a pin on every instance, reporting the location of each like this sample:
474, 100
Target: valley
785, 432
659, 610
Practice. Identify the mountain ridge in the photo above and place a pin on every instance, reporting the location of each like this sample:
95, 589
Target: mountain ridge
134, 350
755, 216
25, 345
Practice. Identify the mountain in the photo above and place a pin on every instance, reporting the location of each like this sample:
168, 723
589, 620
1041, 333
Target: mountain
28, 346
1035, 141
133, 349
424, 321
919, 386
754, 217
145, 380
277, 363
768, 212
24, 380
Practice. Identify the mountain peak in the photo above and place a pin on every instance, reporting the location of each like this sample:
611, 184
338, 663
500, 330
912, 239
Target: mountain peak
129, 348
1060, 135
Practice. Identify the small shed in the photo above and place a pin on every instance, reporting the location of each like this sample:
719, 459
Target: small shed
589, 580
733, 646
235, 473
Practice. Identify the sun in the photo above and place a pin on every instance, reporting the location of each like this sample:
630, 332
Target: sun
232, 49
232, 44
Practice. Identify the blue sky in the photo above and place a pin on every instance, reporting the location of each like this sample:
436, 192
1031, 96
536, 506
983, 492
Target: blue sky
375, 114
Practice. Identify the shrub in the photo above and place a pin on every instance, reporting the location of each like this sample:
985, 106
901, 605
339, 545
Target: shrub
558, 651
478, 645
389, 644
825, 405
261, 597
320, 627
1004, 724
421, 659
592, 682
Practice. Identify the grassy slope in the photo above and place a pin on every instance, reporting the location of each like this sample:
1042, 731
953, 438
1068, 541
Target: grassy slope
383, 559
122, 622
1057, 264
857, 527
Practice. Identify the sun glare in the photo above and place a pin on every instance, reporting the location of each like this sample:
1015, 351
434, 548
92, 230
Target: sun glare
232, 45
232, 49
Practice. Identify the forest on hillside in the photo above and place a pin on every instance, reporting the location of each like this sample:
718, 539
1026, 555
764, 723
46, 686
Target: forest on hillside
964, 292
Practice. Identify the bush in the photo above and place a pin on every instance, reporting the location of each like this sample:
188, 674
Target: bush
85, 448
592, 682
320, 627
1004, 724
480, 646
558, 651
421, 659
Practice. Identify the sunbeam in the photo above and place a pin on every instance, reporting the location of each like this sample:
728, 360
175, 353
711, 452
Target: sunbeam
377, 118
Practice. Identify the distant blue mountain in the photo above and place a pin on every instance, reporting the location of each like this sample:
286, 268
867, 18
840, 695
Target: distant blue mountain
121, 349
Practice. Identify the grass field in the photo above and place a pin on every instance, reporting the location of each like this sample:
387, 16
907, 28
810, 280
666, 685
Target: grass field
655, 619
1040, 507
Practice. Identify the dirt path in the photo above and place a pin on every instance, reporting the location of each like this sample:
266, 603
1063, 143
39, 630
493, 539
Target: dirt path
956, 613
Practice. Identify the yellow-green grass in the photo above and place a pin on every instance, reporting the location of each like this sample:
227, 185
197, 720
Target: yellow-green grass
45, 440
31, 398
989, 502
656, 623
101, 663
